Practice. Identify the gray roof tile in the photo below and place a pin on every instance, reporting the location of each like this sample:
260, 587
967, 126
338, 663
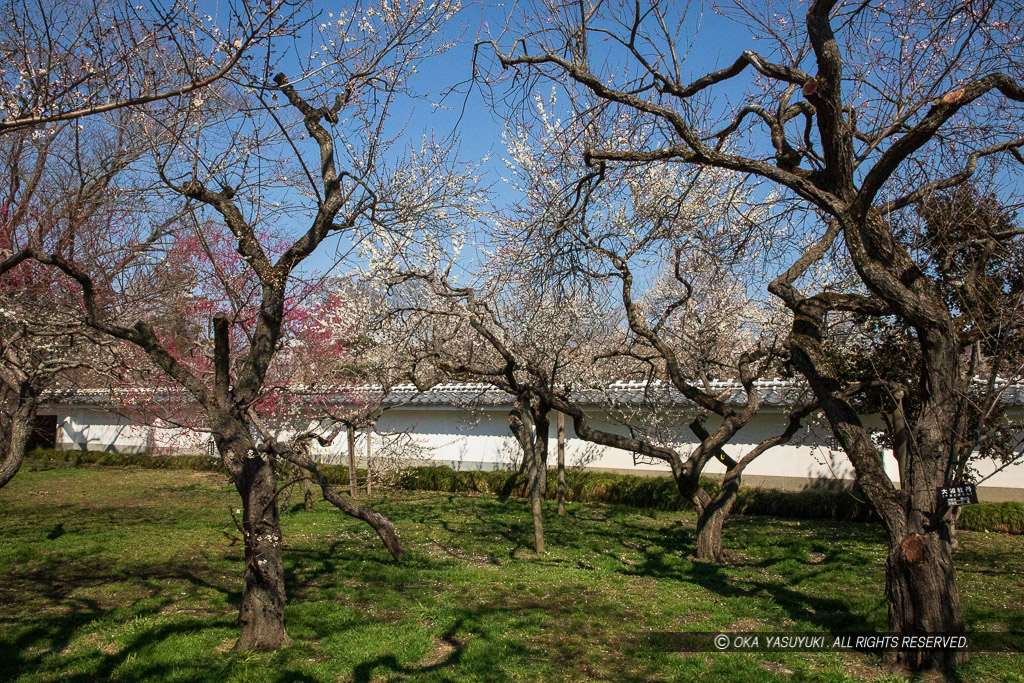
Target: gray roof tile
773, 392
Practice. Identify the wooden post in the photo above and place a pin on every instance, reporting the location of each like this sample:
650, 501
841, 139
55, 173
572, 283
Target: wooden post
899, 436
369, 450
307, 492
352, 483
561, 463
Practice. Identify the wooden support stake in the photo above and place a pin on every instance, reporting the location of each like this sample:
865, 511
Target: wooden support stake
561, 463
369, 451
352, 483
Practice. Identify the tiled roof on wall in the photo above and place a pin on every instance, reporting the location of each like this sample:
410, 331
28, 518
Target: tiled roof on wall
772, 392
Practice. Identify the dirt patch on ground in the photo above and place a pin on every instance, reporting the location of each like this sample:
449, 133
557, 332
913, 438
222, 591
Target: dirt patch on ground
93, 640
445, 649
225, 646
860, 666
776, 668
746, 625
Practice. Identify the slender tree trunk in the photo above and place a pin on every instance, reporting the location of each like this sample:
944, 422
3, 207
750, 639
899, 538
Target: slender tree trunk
538, 488
528, 425
263, 597
543, 426
538, 515
353, 484
18, 433
561, 464
530, 464
381, 524
369, 452
534, 492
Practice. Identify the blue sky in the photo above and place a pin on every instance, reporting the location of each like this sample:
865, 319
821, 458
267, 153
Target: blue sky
464, 115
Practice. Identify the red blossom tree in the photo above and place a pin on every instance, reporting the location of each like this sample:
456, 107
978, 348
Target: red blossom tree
279, 165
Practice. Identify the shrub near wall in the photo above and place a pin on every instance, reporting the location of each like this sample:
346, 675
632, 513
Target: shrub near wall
1003, 517
659, 493
196, 463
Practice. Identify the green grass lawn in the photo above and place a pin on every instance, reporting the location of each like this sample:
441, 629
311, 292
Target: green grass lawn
128, 574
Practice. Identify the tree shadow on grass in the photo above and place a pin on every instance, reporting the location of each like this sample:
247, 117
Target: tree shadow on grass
636, 547
832, 614
108, 663
23, 652
104, 664
365, 671
512, 634
668, 553
625, 541
30, 649
58, 616
67, 623
734, 580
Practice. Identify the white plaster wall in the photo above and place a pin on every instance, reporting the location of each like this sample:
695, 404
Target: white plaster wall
95, 429
1011, 476
461, 439
99, 430
481, 440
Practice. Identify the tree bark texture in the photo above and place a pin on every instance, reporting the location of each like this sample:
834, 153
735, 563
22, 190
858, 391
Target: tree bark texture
712, 516
263, 597
18, 433
923, 598
528, 425
711, 520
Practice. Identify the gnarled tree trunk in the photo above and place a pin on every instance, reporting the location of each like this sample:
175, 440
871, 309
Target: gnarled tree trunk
920, 587
711, 519
920, 581
529, 424
263, 595
711, 512
18, 432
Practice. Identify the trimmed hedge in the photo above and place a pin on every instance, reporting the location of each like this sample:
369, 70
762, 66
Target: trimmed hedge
659, 493
198, 463
589, 487
1004, 517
